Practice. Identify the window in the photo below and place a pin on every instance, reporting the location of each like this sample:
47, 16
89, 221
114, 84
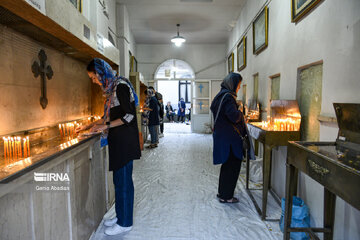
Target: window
185, 90
174, 69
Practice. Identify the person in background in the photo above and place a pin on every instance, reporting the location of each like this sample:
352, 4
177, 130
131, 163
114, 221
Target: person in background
181, 111
120, 131
229, 133
169, 112
159, 97
153, 121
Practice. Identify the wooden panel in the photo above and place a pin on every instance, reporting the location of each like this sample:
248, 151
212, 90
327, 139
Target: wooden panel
79, 50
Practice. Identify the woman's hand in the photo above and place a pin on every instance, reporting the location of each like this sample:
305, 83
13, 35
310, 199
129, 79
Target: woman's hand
246, 119
81, 128
98, 128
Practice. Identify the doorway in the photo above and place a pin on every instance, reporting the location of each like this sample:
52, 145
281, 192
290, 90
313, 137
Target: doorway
172, 91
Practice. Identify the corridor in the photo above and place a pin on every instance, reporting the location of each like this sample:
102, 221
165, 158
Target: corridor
175, 196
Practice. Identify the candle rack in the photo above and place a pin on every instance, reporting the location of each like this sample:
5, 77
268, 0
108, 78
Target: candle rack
25, 149
282, 125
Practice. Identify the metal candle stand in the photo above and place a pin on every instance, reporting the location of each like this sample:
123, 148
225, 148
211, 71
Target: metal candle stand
271, 139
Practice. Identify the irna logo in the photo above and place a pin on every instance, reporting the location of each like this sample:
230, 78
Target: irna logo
51, 177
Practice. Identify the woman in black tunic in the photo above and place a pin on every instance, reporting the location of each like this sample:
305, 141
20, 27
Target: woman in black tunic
119, 122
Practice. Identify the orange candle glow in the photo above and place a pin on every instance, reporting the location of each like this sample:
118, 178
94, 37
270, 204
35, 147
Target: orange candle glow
20, 148
28, 145
25, 147
60, 131
13, 147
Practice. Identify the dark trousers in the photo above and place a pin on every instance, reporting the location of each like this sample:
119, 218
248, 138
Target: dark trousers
180, 118
124, 195
229, 174
162, 127
170, 116
153, 129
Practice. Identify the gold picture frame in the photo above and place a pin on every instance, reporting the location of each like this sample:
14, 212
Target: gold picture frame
260, 31
241, 54
299, 8
78, 4
231, 63
133, 64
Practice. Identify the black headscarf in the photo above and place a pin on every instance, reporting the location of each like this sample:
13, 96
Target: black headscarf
229, 85
231, 82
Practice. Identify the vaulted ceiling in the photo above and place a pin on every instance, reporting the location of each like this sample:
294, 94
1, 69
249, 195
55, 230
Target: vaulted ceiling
201, 21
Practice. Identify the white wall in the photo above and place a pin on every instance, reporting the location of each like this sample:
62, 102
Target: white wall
170, 92
207, 60
331, 32
126, 41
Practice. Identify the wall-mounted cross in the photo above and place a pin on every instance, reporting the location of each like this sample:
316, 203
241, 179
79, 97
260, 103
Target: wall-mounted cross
43, 71
200, 104
201, 87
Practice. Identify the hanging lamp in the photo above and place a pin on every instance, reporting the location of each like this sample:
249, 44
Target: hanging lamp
178, 40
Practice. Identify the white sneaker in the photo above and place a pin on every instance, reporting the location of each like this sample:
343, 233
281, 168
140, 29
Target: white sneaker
110, 222
116, 229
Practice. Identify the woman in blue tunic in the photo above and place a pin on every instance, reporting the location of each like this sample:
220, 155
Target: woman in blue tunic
229, 131
181, 111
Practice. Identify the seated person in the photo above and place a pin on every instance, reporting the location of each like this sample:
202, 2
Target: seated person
169, 112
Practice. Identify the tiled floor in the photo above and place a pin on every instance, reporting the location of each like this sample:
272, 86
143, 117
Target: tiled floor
175, 196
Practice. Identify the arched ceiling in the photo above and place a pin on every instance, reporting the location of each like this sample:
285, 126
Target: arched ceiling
201, 21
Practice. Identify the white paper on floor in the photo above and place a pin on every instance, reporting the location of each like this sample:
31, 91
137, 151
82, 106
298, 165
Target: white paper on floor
255, 170
175, 196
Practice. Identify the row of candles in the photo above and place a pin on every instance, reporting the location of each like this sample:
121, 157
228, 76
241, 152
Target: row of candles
279, 124
68, 129
252, 114
16, 147
68, 143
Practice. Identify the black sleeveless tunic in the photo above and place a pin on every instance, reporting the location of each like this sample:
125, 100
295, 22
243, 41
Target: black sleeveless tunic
123, 140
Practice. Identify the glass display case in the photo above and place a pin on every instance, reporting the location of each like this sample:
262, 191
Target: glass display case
252, 112
334, 165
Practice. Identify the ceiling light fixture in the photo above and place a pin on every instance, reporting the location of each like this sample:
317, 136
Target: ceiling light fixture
178, 40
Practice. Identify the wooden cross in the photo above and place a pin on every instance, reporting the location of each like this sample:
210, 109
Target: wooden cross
42, 70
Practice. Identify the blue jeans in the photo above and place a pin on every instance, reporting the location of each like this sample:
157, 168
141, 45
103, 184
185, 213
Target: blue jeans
154, 134
124, 195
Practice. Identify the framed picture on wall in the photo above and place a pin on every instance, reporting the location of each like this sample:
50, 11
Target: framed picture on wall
241, 54
77, 4
133, 64
130, 59
231, 63
260, 31
301, 7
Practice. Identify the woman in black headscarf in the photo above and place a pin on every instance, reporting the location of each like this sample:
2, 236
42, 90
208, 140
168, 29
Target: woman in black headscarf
229, 131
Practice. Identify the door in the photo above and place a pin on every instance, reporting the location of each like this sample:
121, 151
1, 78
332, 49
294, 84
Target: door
200, 111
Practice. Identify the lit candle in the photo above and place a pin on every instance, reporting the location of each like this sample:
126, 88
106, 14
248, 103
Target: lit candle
72, 130
25, 147
67, 129
28, 145
60, 131
5, 147
20, 149
13, 147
